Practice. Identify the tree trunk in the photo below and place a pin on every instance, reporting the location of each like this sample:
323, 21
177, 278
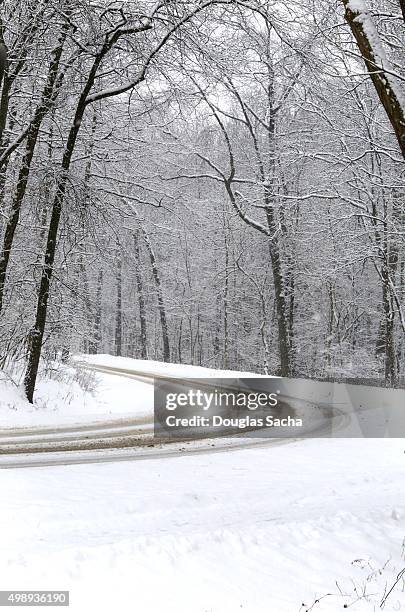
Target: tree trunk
118, 314
3, 60
280, 290
402, 3
4, 106
141, 299
37, 333
161, 305
281, 312
99, 311
179, 342
390, 357
225, 358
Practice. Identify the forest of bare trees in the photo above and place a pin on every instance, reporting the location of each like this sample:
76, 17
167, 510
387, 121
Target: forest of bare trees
218, 183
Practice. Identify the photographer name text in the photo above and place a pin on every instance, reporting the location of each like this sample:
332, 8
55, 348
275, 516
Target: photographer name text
234, 423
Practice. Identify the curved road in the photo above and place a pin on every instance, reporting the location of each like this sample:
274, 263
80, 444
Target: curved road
120, 439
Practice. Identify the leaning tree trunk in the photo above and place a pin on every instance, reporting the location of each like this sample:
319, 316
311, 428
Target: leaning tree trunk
4, 106
37, 333
387, 87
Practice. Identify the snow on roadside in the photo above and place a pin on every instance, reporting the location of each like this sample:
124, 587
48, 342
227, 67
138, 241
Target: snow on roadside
158, 367
259, 530
73, 395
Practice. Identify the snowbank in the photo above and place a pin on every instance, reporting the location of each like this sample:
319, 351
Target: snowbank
72, 395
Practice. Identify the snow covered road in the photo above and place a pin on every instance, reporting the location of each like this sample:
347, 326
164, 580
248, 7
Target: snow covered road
131, 437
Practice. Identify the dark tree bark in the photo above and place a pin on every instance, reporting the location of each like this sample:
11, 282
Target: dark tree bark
402, 4
179, 342
98, 317
389, 337
382, 81
90, 343
280, 290
225, 356
118, 314
388, 271
141, 299
3, 61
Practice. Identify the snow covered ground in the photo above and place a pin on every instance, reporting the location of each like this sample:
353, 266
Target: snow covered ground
267, 529
72, 396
